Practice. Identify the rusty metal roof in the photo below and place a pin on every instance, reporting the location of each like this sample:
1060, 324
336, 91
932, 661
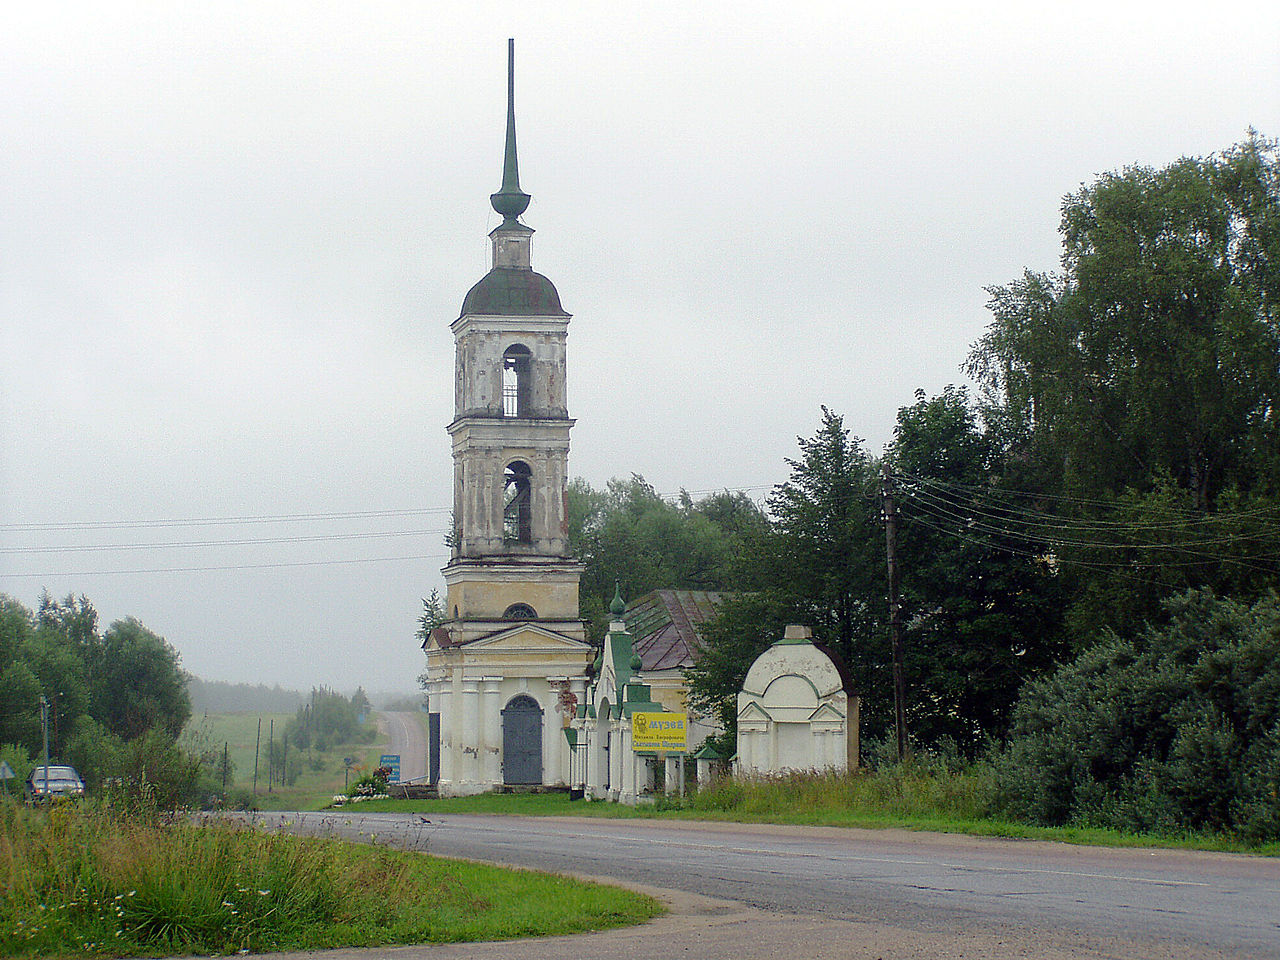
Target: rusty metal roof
664, 626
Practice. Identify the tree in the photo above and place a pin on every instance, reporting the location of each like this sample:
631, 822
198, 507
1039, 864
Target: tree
15, 629
20, 694
1146, 377
1156, 349
61, 675
629, 534
980, 603
137, 682
433, 614
820, 563
826, 552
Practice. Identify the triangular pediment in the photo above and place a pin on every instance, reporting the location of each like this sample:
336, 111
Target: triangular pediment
753, 711
527, 636
826, 711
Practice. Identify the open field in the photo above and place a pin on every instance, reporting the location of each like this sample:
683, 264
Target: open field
320, 774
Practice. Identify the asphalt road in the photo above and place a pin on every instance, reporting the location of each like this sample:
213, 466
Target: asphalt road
408, 739
908, 890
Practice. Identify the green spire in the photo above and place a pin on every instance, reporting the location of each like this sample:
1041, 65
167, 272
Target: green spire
510, 201
617, 607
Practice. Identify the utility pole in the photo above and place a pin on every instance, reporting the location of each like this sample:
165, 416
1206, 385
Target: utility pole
44, 727
257, 745
895, 615
271, 753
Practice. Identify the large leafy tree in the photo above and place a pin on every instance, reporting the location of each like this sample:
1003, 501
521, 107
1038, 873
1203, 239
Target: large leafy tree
137, 682
980, 602
1139, 388
1155, 350
630, 534
121, 683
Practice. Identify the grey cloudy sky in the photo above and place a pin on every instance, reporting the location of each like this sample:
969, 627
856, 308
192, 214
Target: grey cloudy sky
232, 237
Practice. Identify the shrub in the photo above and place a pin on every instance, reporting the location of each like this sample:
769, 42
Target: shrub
373, 784
1175, 729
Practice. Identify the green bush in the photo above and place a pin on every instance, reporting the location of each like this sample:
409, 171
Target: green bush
1175, 729
20, 763
371, 785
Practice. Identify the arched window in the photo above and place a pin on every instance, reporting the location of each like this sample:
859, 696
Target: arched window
517, 381
517, 511
520, 611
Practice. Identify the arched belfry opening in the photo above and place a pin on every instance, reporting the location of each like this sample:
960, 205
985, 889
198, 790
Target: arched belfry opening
517, 381
517, 509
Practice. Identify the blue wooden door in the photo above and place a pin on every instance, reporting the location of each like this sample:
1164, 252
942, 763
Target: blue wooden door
522, 741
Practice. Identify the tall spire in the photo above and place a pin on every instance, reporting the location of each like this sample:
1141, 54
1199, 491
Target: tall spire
510, 201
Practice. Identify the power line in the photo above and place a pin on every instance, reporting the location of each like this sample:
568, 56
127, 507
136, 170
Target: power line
82, 525
235, 566
246, 541
958, 511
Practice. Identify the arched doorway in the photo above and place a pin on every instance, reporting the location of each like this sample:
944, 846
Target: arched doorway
522, 741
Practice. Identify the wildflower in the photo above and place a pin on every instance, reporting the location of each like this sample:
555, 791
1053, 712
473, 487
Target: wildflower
263, 893
227, 903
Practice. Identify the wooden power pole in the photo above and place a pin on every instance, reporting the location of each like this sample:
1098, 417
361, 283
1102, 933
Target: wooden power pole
895, 615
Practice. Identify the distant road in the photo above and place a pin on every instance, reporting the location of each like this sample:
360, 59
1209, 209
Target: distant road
1037, 899
409, 739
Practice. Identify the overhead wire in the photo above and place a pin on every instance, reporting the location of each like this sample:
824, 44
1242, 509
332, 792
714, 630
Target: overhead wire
1066, 531
958, 511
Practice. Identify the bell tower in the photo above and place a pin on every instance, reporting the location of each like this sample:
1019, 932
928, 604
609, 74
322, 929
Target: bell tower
510, 557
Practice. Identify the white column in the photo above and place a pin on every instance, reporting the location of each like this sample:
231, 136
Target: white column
492, 748
443, 700
471, 737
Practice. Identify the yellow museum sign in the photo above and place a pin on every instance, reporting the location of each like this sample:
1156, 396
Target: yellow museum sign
664, 732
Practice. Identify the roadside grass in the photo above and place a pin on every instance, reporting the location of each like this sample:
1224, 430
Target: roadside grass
898, 797
80, 880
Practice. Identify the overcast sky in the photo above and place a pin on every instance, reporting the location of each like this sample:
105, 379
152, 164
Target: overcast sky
232, 238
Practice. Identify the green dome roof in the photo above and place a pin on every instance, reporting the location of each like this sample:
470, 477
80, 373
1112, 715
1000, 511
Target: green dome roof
513, 292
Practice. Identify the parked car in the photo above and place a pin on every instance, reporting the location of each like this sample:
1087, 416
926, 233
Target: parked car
62, 781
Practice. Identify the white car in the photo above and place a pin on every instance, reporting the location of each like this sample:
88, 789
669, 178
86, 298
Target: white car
61, 781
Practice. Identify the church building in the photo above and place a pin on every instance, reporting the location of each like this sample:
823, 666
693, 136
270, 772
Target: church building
506, 670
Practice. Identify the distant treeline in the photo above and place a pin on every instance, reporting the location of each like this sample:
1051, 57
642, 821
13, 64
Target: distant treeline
218, 696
